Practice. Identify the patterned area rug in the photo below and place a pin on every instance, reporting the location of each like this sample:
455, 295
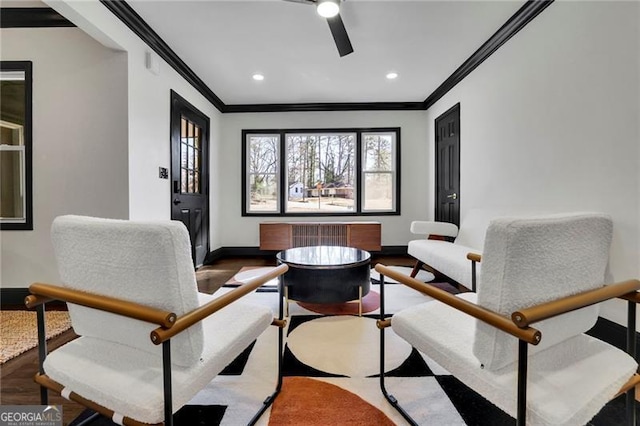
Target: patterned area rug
19, 331
331, 367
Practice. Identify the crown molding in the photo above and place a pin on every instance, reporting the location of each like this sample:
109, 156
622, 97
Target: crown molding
32, 17
131, 19
518, 21
515, 23
333, 106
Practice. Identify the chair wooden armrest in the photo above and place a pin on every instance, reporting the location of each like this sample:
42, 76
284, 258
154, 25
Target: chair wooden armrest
624, 289
162, 334
42, 293
474, 257
528, 334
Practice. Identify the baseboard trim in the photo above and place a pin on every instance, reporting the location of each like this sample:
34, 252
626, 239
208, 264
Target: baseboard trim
392, 251
12, 296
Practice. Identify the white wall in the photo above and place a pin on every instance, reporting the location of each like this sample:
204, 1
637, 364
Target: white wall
149, 114
243, 231
551, 122
80, 158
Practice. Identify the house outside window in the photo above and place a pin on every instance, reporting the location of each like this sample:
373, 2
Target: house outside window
321, 172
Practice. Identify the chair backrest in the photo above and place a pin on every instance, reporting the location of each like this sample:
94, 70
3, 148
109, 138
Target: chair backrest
143, 262
527, 261
473, 227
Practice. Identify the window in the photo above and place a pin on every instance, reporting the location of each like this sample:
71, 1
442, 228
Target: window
321, 172
262, 172
15, 146
190, 157
378, 171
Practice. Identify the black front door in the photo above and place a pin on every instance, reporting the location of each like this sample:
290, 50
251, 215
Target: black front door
190, 173
448, 166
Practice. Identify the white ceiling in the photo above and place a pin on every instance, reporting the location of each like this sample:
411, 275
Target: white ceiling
225, 42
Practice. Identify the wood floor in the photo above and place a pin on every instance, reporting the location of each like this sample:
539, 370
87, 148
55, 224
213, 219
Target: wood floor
16, 375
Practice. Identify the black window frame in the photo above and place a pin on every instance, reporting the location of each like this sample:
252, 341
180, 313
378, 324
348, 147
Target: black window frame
283, 193
27, 67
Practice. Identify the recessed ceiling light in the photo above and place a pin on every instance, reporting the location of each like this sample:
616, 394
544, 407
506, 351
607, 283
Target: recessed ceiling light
392, 75
258, 77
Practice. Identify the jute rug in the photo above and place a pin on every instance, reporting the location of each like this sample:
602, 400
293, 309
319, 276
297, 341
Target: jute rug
19, 330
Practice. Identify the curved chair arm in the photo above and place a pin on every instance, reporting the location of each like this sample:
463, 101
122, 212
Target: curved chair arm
161, 334
529, 335
42, 293
444, 229
474, 257
625, 289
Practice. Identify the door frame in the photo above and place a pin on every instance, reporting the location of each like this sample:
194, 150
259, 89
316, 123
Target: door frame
455, 108
178, 106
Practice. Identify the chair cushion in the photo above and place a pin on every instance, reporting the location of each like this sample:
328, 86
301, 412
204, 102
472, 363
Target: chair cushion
129, 380
143, 262
568, 384
447, 258
528, 261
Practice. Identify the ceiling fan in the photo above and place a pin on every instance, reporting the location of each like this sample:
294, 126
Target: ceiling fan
330, 9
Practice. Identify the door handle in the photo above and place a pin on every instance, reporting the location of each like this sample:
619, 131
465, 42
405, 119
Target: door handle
454, 196
176, 201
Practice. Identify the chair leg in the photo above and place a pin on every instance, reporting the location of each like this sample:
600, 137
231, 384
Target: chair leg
522, 383
416, 268
631, 350
166, 374
89, 419
473, 276
42, 351
392, 400
269, 400
286, 297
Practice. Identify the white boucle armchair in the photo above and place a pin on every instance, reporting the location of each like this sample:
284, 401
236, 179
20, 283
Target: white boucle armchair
520, 340
149, 341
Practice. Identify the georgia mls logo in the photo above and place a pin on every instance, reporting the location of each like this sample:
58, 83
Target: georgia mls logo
30, 415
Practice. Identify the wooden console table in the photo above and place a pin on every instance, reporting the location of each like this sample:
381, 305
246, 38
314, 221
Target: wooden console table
285, 235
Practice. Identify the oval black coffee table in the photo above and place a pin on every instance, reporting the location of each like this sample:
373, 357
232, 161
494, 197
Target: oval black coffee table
326, 274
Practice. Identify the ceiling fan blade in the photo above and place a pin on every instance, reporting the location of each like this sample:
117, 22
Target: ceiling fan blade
340, 36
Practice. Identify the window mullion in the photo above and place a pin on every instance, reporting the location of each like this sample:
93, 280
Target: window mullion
359, 174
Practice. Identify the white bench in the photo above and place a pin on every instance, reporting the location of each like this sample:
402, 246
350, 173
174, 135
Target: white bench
449, 258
